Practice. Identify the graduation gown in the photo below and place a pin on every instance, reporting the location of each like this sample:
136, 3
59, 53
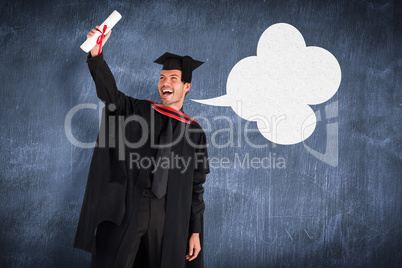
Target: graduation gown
129, 130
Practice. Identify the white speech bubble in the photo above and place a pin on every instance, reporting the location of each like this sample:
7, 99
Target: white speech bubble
280, 83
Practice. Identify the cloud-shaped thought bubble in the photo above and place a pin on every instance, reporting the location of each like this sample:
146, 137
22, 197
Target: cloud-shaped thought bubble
276, 87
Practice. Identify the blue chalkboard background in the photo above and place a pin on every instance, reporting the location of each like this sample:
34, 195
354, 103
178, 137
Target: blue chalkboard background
306, 214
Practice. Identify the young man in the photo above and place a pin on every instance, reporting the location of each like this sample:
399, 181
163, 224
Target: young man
143, 203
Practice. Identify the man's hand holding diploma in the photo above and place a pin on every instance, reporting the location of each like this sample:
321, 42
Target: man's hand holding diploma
95, 49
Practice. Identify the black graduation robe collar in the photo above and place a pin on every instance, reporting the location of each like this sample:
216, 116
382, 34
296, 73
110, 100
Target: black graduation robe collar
172, 113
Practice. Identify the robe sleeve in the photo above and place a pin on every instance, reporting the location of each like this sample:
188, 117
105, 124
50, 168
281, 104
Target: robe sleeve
200, 172
106, 88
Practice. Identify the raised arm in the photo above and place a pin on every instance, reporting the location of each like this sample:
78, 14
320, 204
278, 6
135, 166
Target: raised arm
106, 88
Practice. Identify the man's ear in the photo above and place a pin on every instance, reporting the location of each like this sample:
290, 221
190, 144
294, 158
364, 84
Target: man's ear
187, 87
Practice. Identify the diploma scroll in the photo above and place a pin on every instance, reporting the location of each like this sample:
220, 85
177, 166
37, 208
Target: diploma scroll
110, 22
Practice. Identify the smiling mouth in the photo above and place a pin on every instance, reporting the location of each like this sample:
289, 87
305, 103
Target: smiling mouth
167, 92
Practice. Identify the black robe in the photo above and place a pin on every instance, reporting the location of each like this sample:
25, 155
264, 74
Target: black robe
129, 129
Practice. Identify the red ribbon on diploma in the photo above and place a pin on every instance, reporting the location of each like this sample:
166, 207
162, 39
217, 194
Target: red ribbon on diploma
100, 38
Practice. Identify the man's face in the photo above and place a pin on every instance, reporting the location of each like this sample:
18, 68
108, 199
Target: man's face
171, 89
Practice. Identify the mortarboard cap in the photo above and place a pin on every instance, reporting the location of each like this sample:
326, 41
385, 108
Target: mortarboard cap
183, 63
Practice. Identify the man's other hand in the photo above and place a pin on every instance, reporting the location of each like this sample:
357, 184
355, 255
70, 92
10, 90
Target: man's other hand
95, 50
194, 247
